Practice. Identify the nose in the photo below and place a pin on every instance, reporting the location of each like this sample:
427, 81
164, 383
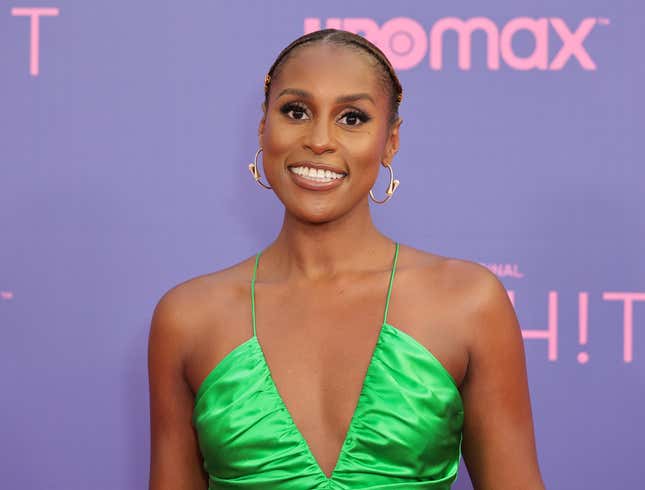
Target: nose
320, 138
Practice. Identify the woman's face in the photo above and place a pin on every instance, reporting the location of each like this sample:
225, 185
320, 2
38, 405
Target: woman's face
328, 109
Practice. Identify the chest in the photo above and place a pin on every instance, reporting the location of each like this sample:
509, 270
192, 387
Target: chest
406, 420
319, 340
318, 345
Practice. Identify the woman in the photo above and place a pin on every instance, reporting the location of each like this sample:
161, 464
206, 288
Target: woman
337, 358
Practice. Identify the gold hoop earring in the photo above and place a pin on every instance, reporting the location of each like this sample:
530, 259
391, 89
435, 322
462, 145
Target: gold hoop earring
253, 168
390, 188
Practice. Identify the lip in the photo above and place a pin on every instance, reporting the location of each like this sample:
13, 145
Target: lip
316, 165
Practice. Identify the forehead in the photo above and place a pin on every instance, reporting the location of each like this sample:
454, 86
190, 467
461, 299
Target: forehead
330, 70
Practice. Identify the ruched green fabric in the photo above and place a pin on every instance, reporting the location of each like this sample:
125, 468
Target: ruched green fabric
405, 433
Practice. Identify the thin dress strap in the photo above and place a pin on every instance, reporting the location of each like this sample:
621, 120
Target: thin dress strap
389, 290
255, 270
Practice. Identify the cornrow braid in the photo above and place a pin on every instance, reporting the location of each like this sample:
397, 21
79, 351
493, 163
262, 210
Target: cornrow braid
342, 38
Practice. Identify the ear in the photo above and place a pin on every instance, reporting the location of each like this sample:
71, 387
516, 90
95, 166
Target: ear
262, 124
392, 144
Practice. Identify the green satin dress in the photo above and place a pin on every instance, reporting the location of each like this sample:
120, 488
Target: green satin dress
405, 433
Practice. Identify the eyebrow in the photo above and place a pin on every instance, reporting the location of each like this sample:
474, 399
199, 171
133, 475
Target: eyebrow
342, 99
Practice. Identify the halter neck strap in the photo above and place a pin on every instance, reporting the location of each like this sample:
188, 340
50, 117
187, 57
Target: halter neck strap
389, 289
255, 271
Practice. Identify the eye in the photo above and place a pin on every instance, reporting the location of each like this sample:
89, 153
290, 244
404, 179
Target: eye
295, 111
354, 118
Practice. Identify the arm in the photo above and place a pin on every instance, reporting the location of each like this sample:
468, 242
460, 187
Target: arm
175, 459
498, 442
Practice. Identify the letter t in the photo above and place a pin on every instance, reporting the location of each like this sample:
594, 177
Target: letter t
34, 49
628, 318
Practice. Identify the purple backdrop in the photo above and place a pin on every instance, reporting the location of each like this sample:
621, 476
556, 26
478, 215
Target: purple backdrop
125, 133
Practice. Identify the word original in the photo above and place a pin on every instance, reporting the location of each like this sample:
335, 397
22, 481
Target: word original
505, 270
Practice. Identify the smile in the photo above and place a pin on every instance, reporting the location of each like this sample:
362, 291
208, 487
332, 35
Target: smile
316, 175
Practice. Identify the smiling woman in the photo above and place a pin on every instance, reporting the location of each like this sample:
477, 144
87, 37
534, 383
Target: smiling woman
346, 79
289, 372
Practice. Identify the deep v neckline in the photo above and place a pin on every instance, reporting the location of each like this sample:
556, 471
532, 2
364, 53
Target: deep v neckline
347, 439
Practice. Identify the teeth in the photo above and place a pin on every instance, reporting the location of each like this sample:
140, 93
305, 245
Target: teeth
318, 175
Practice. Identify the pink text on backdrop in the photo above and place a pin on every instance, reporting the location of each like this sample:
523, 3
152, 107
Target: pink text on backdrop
550, 334
505, 270
405, 42
34, 13
628, 318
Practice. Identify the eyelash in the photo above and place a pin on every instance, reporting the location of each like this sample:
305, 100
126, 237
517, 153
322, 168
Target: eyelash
301, 108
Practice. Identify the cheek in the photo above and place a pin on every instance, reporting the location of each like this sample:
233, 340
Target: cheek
278, 138
363, 148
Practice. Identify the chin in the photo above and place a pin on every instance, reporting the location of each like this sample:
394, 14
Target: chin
315, 216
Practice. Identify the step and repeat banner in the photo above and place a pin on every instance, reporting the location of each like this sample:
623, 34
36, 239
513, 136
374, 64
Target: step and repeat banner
126, 129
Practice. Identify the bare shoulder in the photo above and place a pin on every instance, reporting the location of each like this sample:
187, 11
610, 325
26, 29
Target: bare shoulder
479, 288
482, 300
179, 322
470, 284
201, 302
500, 451
463, 294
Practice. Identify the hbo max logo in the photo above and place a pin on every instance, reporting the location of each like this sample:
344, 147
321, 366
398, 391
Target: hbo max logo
406, 42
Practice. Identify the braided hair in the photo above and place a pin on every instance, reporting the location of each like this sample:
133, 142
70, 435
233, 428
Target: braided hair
343, 38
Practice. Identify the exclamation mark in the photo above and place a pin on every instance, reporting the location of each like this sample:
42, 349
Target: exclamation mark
583, 324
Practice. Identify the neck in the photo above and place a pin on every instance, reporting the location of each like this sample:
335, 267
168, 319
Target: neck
319, 251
